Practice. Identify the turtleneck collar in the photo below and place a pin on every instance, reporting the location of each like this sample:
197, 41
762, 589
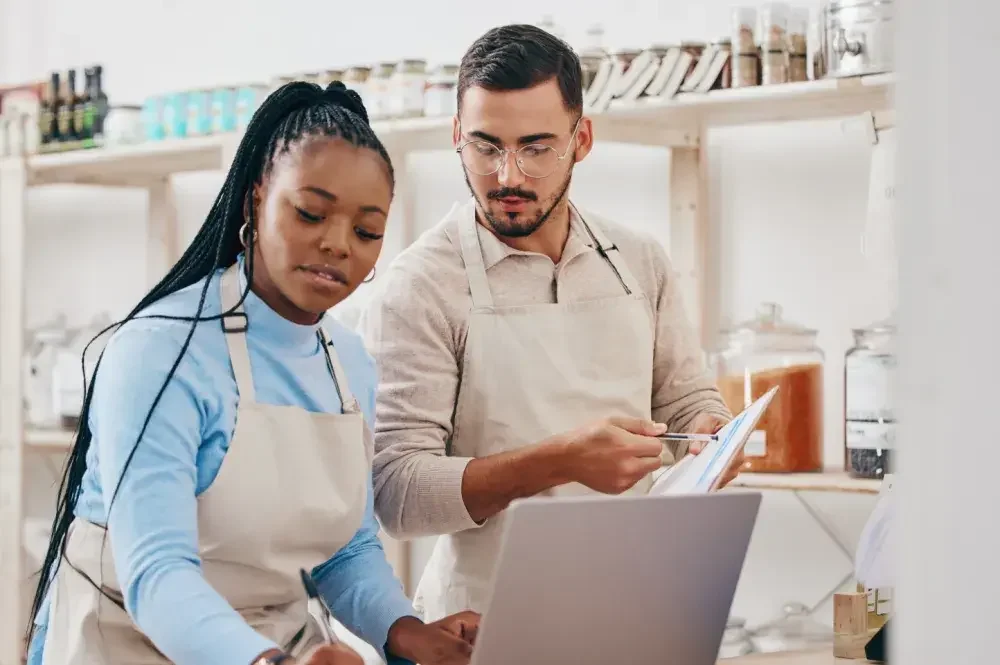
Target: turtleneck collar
272, 328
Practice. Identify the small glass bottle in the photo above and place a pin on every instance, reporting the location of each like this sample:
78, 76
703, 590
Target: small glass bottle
869, 408
407, 85
746, 54
774, 43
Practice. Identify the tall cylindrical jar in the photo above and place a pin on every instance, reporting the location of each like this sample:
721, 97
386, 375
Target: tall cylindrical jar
798, 45
380, 91
440, 97
746, 55
408, 84
758, 355
774, 43
358, 79
869, 406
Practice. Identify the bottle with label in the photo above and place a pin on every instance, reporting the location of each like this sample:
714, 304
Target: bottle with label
869, 410
47, 130
88, 107
100, 101
64, 116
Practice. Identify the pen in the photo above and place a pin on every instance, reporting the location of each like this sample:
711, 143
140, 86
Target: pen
316, 600
688, 437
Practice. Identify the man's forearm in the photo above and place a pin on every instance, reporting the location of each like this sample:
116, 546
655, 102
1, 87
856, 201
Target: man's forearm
491, 483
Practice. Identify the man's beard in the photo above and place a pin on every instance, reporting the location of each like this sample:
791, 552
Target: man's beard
509, 225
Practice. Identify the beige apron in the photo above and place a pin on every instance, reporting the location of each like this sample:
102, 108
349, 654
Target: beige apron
291, 492
530, 372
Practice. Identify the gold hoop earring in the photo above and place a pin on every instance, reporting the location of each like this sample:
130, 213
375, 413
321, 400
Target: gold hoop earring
370, 277
243, 234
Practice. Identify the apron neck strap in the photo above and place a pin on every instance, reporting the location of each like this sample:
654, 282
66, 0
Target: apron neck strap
234, 325
610, 252
472, 254
349, 404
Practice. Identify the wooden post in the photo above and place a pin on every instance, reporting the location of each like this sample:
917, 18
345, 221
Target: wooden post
13, 182
161, 231
689, 234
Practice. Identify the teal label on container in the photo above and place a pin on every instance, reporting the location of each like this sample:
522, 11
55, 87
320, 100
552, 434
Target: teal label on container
223, 110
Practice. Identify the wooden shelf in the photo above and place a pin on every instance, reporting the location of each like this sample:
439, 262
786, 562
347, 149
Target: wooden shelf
788, 102
827, 481
132, 165
675, 122
49, 440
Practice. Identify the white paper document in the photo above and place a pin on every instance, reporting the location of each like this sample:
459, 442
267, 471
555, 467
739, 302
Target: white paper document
700, 474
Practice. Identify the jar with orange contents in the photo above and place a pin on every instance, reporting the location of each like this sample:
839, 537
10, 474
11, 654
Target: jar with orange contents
769, 351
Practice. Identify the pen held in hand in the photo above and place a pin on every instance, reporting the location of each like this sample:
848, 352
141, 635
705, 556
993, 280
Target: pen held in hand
669, 436
319, 607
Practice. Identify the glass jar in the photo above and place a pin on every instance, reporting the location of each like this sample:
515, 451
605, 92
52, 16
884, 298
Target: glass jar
357, 79
440, 96
774, 26
379, 91
406, 99
743, 30
869, 409
798, 45
758, 355
795, 630
736, 640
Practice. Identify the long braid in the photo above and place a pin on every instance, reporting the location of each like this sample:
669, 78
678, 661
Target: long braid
291, 114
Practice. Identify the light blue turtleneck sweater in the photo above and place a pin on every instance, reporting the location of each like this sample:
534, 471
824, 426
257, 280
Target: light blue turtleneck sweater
153, 530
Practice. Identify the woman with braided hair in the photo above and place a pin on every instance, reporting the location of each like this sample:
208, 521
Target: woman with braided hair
224, 451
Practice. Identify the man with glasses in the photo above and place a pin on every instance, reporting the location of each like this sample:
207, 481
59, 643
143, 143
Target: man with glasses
524, 346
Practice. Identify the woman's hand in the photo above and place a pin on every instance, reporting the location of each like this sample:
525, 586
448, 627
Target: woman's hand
332, 654
445, 642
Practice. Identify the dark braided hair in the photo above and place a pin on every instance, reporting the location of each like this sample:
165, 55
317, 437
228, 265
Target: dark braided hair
291, 114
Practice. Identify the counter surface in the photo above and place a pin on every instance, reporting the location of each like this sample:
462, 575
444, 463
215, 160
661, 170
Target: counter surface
824, 657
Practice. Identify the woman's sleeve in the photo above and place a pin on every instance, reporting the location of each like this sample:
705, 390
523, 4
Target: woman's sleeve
153, 516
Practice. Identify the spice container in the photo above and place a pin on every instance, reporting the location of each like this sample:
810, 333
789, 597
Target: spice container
406, 99
175, 115
746, 55
199, 112
123, 125
440, 96
223, 109
379, 91
743, 28
774, 26
357, 79
869, 410
798, 46
329, 76
248, 98
152, 118
774, 67
758, 355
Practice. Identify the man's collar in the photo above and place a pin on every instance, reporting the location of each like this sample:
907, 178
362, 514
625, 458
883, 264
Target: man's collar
496, 250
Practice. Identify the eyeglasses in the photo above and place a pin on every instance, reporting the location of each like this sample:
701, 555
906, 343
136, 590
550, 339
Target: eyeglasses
534, 160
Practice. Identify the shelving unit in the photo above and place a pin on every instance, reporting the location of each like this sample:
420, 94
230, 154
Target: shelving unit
680, 125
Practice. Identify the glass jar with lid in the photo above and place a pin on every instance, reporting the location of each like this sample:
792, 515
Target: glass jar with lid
869, 409
762, 353
440, 96
795, 630
380, 91
407, 85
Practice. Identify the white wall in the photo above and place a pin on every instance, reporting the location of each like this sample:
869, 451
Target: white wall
788, 203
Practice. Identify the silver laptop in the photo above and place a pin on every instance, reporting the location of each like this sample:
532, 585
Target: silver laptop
645, 580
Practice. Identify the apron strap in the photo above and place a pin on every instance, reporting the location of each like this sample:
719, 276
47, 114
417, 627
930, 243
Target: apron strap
234, 325
347, 400
611, 254
472, 254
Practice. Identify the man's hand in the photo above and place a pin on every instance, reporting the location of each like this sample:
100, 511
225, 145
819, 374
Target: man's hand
612, 455
706, 423
445, 642
333, 654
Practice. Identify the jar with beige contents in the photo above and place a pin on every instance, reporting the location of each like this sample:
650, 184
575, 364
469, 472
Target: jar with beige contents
758, 355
